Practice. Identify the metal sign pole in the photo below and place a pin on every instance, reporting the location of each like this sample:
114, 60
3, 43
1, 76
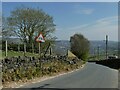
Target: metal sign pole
40, 57
40, 39
40, 49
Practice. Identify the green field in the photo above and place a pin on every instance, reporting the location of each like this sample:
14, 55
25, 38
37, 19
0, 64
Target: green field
16, 53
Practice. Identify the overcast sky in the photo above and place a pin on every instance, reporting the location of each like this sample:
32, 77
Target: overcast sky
92, 19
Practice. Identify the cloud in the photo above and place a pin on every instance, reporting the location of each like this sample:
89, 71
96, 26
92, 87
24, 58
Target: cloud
85, 11
108, 20
103, 22
80, 10
95, 30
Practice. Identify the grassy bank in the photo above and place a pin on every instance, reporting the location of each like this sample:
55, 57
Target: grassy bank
25, 69
16, 53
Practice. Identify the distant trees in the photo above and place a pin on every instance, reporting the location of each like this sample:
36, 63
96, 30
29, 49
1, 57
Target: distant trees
80, 46
27, 23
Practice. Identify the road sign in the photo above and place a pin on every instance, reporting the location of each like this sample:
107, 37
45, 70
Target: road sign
40, 38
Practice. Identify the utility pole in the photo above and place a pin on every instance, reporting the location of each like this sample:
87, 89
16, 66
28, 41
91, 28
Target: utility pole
118, 49
94, 53
106, 46
98, 49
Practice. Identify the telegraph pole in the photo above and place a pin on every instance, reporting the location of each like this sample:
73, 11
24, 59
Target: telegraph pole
98, 49
118, 49
106, 46
94, 51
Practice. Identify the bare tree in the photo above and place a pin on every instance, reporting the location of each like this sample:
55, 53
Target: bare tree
27, 23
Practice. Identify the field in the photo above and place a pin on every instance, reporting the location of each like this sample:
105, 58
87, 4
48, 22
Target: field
16, 53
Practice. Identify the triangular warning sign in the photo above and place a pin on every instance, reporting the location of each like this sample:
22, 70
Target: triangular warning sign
40, 38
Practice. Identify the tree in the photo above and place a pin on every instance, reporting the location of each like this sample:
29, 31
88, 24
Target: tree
27, 23
80, 46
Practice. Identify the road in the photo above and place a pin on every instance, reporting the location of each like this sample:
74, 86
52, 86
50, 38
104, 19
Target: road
91, 76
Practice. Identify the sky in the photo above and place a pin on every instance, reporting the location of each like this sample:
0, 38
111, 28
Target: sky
92, 19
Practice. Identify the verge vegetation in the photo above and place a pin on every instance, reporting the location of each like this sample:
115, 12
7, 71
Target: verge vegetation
17, 69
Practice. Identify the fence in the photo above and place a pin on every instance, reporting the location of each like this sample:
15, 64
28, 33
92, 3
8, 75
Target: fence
32, 48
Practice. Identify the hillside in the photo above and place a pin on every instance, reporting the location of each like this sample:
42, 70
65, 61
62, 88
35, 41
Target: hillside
61, 46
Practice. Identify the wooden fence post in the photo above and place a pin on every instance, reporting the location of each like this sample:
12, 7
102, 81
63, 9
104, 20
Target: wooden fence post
6, 49
32, 48
18, 47
24, 49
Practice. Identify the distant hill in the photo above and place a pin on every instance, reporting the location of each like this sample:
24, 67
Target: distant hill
61, 46
112, 45
12, 40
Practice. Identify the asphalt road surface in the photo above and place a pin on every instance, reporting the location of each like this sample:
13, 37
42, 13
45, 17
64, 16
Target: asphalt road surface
91, 76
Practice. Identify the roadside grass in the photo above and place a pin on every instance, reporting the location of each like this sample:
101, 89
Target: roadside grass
25, 71
94, 58
16, 53
50, 68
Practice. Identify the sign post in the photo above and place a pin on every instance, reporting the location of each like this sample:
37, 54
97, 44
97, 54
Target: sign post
39, 49
40, 39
